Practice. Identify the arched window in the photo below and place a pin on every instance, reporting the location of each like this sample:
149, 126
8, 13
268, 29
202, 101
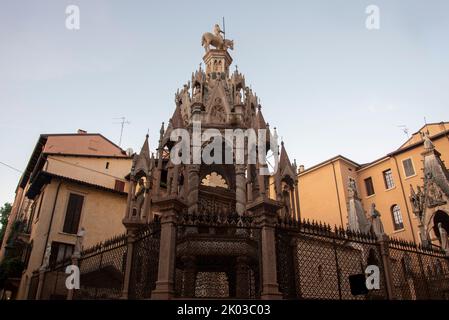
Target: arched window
396, 214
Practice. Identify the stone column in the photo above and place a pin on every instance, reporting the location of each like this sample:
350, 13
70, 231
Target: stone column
145, 211
242, 279
385, 252
249, 192
194, 180
240, 192
168, 207
261, 181
174, 188
298, 210
129, 260
265, 212
189, 274
131, 191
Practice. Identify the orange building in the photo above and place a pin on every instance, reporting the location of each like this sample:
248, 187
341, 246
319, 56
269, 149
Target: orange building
387, 182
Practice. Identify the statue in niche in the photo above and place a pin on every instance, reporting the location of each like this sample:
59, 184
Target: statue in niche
238, 96
286, 200
417, 200
218, 114
139, 197
197, 93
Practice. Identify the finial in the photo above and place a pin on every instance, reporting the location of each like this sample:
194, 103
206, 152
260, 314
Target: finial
282, 142
162, 129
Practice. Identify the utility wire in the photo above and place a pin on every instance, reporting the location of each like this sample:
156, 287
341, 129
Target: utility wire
11, 167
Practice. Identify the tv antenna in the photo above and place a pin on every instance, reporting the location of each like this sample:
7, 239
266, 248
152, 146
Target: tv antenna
224, 29
122, 123
404, 129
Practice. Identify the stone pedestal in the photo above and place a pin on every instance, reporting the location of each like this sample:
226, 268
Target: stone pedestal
131, 238
242, 278
189, 274
168, 208
265, 212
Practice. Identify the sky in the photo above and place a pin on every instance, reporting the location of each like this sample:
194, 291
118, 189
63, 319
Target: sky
329, 85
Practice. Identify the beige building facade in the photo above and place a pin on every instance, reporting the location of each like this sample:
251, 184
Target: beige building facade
72, 182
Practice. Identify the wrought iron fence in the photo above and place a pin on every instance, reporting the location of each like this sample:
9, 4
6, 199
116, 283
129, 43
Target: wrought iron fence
144, 267
54, 287
315, 261
217, 256
418, 273
32, 290
102, 269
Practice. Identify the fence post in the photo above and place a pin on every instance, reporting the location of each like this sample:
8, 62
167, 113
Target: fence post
265, 211
168, 207
40, 284
130, 240
383, 241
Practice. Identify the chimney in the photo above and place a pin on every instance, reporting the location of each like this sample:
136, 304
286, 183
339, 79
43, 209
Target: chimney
81, 131
301, 168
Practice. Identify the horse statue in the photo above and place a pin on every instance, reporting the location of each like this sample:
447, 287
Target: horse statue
218, 42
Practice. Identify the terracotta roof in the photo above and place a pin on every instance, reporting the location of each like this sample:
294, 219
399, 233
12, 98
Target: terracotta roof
337, 157
45, 177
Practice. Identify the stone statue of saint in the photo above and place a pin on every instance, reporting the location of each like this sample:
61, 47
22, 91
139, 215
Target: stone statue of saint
417, 201
238, 96
197, 93
286, 200
352, 188
79, 242
443, 238
46, 262
376, 222
139, 197
428, 144
217, 31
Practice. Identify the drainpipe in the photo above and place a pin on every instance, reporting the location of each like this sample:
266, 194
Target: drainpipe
338, 194
405, 199
51, 221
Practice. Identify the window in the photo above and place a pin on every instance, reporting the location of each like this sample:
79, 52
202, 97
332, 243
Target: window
388, 179
73, 213
107, 165
60, 252
119, 185
409, 170
369, 186
397, 217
